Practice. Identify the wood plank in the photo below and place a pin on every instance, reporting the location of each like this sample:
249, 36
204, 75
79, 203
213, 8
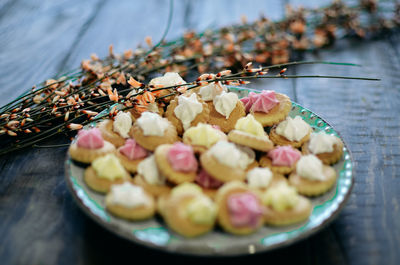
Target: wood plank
35, 36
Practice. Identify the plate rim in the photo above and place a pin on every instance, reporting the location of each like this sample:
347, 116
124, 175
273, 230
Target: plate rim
147, 244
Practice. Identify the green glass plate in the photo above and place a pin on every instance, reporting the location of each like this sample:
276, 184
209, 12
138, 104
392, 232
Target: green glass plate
154, 233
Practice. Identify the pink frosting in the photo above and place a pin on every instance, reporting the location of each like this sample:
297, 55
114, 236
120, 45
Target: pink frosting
262, 102
181, 158
284, 156
244, 209
133, 150
207, 181
90, 139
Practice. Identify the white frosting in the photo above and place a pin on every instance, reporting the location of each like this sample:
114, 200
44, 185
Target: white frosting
247, 156
310, 167
122, 124
210, 91
187, 110
148, 169
281, 197
152, 124
225, 103
293, 129
168, 79
128, 195
259, 177
153, 107
228, 154
322, 142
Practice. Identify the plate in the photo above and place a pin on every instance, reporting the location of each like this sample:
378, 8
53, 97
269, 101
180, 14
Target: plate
154, 233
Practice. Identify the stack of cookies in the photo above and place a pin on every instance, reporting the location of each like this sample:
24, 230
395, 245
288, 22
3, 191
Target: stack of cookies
210, 159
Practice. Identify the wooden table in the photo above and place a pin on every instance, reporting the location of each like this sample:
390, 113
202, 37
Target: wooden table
41, 224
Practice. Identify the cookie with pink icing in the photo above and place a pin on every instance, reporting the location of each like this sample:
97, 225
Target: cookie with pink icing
240, 209
176, 162
131, 154
268, 107
281, 159
89, 145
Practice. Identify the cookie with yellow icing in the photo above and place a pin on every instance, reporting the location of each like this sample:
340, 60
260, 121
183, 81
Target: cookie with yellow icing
202, 136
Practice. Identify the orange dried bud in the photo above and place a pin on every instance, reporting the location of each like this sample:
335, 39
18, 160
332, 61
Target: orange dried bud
74, 126
134, 83
66, 117
111, 50
128, 54
149, 41
27, 131
11, 133
121, 79
94, 57
223, 73
85, 64
36, 129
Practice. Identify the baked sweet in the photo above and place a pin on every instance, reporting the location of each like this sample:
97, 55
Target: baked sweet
226, 110
131, 154
150, 178
209, 184
130, 202
176, 162
261, 179
267, 107
167, 80
188, 211
202, 136
283, 206
249, 132
151, 130
104, 172
89, 145
292, 131
225, 167
311, 177
327, 147
281, 159
187, 110
116, 131
239, 209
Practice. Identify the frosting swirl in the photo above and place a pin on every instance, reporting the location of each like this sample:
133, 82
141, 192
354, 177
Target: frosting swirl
262, 102
225, 103
250, 125
284, 156
230, 155
201, 210
152, 124
210, 91
310, 167
181, 157
186, 188
244, 209
148, 169
132, 150
281, 197
109, 167
187, 110
128, 195
206, 181
90, 139
259, 177
203, 134
293, 129
168, 79
122, 124
322, 143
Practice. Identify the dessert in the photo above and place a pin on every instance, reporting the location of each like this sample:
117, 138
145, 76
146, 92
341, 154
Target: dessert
292, 131
187, 110
311, 177
283, 206
226, 110
151, 130
202, 136
261, 179
116, 131
267, 107
209, 184
176, 162
104, 172
130, 202
281, 159
89, 145
188, 211
131, 154
239, 209
249, 132
327, 147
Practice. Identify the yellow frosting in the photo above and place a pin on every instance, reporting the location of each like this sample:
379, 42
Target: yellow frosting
186, 188
250, 125
281, 197
109, 167
201, 210
203, 134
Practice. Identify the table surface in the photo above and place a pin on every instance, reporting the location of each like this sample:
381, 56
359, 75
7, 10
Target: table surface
41, 224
